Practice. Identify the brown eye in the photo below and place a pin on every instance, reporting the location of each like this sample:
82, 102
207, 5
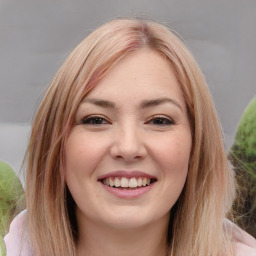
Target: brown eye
161, 121
94, 120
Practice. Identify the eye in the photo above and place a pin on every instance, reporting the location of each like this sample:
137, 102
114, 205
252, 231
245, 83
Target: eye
161, 121
94, 120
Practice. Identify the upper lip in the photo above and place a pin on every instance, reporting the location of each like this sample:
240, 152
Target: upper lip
127, 174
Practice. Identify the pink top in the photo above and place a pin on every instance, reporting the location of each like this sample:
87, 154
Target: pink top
17, 240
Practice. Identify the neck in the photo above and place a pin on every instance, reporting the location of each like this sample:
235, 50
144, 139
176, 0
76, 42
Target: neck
98, 240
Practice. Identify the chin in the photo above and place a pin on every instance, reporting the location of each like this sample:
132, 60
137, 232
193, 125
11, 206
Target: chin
127, 223
132, 219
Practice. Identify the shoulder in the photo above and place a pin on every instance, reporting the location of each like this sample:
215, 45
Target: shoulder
17, 240
243, 243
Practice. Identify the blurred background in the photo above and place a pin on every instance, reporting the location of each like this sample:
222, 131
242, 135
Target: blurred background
37, 35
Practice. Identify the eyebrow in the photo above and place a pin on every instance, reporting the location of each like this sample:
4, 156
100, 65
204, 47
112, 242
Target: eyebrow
159, 101
144, 104
100, 103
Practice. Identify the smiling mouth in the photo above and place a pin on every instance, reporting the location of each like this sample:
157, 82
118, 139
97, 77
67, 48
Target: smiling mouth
127, 183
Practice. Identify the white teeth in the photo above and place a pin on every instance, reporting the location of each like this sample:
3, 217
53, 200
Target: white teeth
111, 182
117, 182
126, 182
133, 183
139, 182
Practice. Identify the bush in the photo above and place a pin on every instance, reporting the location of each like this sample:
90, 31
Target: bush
11, 199
243, 157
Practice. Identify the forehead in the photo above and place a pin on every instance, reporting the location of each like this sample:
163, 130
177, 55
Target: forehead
143, 73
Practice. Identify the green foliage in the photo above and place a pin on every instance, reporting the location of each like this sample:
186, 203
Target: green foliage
11, 198
243, 157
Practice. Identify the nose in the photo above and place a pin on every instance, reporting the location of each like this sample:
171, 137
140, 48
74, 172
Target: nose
128, 144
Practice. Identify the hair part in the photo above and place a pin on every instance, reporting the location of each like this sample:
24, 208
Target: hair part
209, 190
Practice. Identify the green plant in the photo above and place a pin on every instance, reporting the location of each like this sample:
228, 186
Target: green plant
11, 198
243, 157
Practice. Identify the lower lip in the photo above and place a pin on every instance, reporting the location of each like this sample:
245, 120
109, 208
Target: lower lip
128, 193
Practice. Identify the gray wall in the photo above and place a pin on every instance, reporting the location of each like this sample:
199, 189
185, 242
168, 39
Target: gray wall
36, 36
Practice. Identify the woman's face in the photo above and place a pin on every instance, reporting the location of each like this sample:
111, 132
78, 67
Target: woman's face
128, 152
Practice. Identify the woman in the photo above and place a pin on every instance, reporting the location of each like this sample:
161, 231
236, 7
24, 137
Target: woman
126, 154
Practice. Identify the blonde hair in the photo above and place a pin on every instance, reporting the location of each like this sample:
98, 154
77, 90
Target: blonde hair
196, 226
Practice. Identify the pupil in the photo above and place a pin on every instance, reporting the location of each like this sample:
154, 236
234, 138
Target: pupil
98, 120
158, 121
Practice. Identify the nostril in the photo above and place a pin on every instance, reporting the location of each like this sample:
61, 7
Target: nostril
128, 147
129, 157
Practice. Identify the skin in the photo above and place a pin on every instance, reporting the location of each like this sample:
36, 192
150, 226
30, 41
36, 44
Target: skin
127, 134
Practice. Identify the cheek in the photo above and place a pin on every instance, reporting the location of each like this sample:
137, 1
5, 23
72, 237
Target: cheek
82, 153
174, 153
174, 158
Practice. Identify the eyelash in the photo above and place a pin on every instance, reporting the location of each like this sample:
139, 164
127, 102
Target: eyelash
164, 121
101, 120
94, 120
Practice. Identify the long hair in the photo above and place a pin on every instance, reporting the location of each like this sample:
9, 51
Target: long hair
196, 227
